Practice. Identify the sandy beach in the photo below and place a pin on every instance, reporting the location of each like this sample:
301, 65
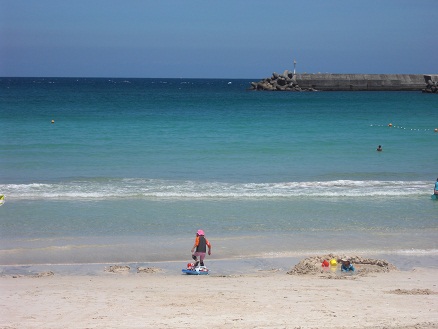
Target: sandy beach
155, 298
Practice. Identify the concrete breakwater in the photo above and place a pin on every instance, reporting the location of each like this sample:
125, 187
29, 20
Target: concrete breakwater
341, 82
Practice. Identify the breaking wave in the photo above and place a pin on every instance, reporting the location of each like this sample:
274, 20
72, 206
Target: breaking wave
101, 188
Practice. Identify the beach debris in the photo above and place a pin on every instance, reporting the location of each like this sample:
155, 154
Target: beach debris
149, 270
313, 266
118, 269
43, 274
272, 270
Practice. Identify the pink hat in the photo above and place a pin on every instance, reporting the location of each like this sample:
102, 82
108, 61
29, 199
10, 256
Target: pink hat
200, 232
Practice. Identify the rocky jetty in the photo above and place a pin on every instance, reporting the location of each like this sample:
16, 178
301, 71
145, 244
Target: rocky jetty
431, 84
279, 82
289, 81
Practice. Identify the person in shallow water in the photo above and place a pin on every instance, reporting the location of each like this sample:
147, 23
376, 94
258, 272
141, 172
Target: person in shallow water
435, 190
379, 148
201, 244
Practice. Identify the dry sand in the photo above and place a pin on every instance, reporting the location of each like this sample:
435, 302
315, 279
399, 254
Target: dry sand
382, 297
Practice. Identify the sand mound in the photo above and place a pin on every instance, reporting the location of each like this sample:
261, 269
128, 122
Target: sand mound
364, 266
118, 269
412, 292
148, 270
37, 275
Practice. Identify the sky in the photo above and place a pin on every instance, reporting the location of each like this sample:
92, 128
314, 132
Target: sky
215, 39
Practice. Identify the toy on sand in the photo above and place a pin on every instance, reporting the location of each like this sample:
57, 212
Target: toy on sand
195, 270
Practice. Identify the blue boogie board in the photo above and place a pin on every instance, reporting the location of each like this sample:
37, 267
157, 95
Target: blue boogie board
200, 270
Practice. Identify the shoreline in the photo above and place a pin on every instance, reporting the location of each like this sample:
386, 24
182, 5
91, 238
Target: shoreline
217, 266
406, 249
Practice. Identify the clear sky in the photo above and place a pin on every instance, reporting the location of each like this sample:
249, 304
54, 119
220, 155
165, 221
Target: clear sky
215, 39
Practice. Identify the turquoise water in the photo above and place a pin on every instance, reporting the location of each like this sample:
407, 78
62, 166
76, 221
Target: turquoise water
131, 168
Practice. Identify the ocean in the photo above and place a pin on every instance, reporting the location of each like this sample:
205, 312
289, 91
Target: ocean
130, 169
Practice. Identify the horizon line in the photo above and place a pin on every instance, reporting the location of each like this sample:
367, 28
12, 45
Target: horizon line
204, 78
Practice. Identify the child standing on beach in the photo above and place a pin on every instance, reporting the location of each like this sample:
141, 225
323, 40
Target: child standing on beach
201, 244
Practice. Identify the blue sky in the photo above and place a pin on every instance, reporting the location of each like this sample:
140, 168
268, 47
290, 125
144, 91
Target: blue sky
215, 39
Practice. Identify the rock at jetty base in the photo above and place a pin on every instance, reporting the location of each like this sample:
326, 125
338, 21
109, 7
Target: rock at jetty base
279, 82
431, 84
